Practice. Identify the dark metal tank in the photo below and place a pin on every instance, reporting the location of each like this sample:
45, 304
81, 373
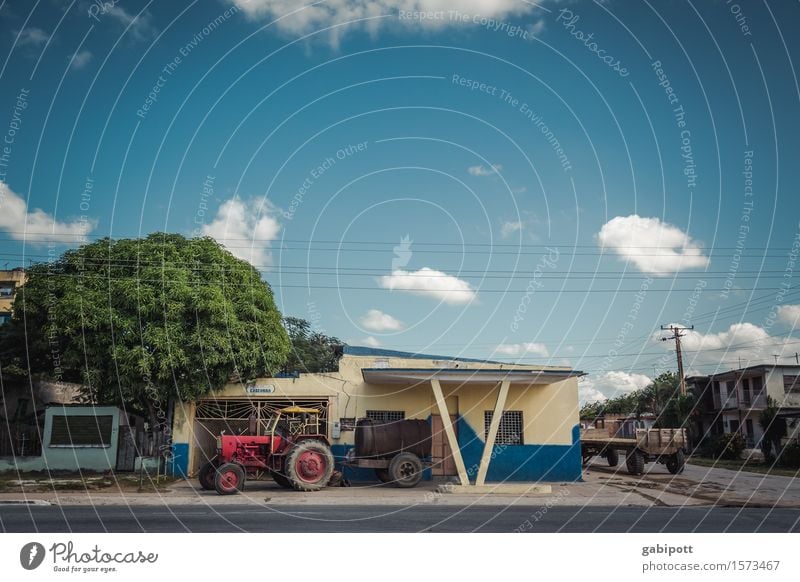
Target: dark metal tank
375, 439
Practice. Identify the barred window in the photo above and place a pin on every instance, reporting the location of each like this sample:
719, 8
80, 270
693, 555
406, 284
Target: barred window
510, 430
386, 416
81, 431
791, 384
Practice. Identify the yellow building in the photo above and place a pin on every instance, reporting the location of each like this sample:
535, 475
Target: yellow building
10, 282
536, 438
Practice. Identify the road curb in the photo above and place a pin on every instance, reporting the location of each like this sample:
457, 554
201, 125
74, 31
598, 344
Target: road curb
24, 502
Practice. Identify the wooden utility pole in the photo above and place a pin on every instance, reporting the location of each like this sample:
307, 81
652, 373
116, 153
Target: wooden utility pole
677, 335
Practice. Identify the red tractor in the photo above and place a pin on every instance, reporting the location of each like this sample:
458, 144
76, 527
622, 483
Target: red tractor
292, 451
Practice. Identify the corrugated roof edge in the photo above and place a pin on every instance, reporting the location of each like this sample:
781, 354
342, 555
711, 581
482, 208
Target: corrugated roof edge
378, 352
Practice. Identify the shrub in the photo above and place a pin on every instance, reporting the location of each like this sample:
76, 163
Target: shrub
790, 456
727, 446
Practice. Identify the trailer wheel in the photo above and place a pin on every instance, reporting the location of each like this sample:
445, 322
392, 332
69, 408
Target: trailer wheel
206, 475
229, 479
635, 462
383, 475
405, 470
281, 480
676, 463
309, 465
612, 456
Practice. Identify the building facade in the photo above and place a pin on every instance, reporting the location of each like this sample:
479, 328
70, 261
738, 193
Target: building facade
10, 282
537, 438
732, 401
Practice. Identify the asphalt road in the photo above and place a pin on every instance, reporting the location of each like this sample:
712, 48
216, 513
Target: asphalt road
429, 518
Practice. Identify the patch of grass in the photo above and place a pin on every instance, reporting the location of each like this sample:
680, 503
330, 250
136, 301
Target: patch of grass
740, 465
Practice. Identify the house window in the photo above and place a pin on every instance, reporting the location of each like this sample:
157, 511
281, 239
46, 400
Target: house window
386, 416
81, 431
758, 384
510, 430
791, 384
5, 317
6, 291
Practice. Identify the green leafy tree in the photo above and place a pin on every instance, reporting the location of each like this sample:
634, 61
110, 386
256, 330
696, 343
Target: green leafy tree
143, 321
311, 351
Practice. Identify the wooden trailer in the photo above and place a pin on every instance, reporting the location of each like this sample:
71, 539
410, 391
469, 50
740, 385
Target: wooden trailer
660, 445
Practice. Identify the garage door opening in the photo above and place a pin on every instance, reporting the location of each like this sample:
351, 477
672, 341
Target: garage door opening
239, 416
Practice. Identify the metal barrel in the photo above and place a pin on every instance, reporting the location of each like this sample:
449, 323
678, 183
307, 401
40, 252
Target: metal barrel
375, 439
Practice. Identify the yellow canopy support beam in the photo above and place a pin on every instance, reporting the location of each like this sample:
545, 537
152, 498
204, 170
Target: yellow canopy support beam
486, 457
441, 404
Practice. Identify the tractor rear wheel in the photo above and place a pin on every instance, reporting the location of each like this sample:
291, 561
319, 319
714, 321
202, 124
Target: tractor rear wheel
281, 480
207, 474
405, 470
229, 479
383, 475
635, 462
309, 465
676, 462
612, 456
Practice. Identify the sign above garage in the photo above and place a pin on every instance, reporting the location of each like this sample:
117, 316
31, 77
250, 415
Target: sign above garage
265, 389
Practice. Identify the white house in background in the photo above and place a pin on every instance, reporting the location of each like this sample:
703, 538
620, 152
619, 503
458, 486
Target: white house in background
733, 401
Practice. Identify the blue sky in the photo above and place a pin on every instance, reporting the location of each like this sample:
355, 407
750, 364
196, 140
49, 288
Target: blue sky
488, 178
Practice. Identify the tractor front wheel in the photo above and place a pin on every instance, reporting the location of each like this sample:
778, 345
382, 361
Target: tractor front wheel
612, 456
309, 465
206, 475
229, 479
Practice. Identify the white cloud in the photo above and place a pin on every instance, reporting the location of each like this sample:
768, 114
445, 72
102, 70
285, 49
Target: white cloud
532, 348
481, 170
297, 20
510, 227
37, 226
430, 283
746, 341
80, 59
790, 314
596, 387
653, 246
377, 320
32, 36
371, 342
245, 229
141, 27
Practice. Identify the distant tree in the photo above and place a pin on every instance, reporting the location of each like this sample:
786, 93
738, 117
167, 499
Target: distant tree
311, 351
143, 321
